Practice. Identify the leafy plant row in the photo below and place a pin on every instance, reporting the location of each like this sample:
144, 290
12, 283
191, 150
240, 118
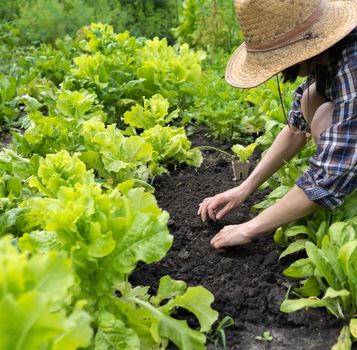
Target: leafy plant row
327, 245
73, 190
79, 244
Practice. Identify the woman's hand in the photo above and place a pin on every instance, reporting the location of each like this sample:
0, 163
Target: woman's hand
285, 146
294, 205
233, 235
216, 207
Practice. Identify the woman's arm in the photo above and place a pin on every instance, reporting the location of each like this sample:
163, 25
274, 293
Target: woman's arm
286, 145
292, 206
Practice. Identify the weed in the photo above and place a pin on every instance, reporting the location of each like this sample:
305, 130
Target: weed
218, 336
266, 337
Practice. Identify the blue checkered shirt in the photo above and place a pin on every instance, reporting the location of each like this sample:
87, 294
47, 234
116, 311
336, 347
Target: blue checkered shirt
333, 169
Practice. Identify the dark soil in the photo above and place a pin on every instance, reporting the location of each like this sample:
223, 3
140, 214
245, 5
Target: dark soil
247, 282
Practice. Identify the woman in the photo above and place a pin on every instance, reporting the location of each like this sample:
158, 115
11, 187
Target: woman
314, 38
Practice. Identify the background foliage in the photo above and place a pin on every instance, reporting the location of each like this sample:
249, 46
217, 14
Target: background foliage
207, 24
147, 18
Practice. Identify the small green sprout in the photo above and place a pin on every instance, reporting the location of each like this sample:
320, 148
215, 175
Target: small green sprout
243, 153
218, 335
266, 337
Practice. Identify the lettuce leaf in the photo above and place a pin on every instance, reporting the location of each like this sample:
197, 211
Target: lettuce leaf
154, 112
33, 294
171, 146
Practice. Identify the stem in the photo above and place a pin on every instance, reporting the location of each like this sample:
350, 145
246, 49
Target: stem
147, 306
215, 149
127, 286
133, 131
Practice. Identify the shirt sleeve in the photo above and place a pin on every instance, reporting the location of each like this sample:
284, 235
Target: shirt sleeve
295, 119
333, 172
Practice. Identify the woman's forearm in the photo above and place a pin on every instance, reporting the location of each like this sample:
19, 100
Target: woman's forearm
294, 205
286, 146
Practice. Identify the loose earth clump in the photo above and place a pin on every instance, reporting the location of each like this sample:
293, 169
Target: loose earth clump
247, 282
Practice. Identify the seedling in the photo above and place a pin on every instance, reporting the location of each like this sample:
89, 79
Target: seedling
266, 337
218, 335
241, 166
239, 159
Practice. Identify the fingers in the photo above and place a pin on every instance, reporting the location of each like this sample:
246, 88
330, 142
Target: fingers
207, 209
211, 211
203, 204
221, 239
229, 236
216, 241
202, 210
222, 213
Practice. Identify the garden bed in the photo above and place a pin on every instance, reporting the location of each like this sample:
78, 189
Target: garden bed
247, 282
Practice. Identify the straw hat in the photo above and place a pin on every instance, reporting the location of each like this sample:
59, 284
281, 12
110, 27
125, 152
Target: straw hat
281, 33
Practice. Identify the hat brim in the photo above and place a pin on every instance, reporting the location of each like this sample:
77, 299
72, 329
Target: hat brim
249, 69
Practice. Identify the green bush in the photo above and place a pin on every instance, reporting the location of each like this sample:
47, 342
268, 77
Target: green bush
149, 18
208, 24
45, 20
9, 9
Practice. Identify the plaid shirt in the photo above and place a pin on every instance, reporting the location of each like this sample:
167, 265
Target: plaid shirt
333, 169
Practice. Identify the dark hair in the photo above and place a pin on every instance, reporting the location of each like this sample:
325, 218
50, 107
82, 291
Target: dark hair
291, 73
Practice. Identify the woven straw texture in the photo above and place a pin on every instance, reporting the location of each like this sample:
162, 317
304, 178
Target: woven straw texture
263, 21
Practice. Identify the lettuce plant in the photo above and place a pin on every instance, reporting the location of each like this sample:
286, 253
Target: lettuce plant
243, 152
124, 221
61, 128
106, 234
34, 292
100, 37
328, 273
154, 112
50, 63
120, 158
121, 69
39, 93
15, 172
59, 170
8, 91
113, 155
170, 71
152, 316
171, 146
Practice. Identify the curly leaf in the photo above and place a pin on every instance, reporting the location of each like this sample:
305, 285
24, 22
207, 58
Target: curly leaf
196, 300
113, 334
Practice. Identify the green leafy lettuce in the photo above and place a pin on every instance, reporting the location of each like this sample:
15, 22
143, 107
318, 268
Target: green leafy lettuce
154, 112
171, 146
33, 293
